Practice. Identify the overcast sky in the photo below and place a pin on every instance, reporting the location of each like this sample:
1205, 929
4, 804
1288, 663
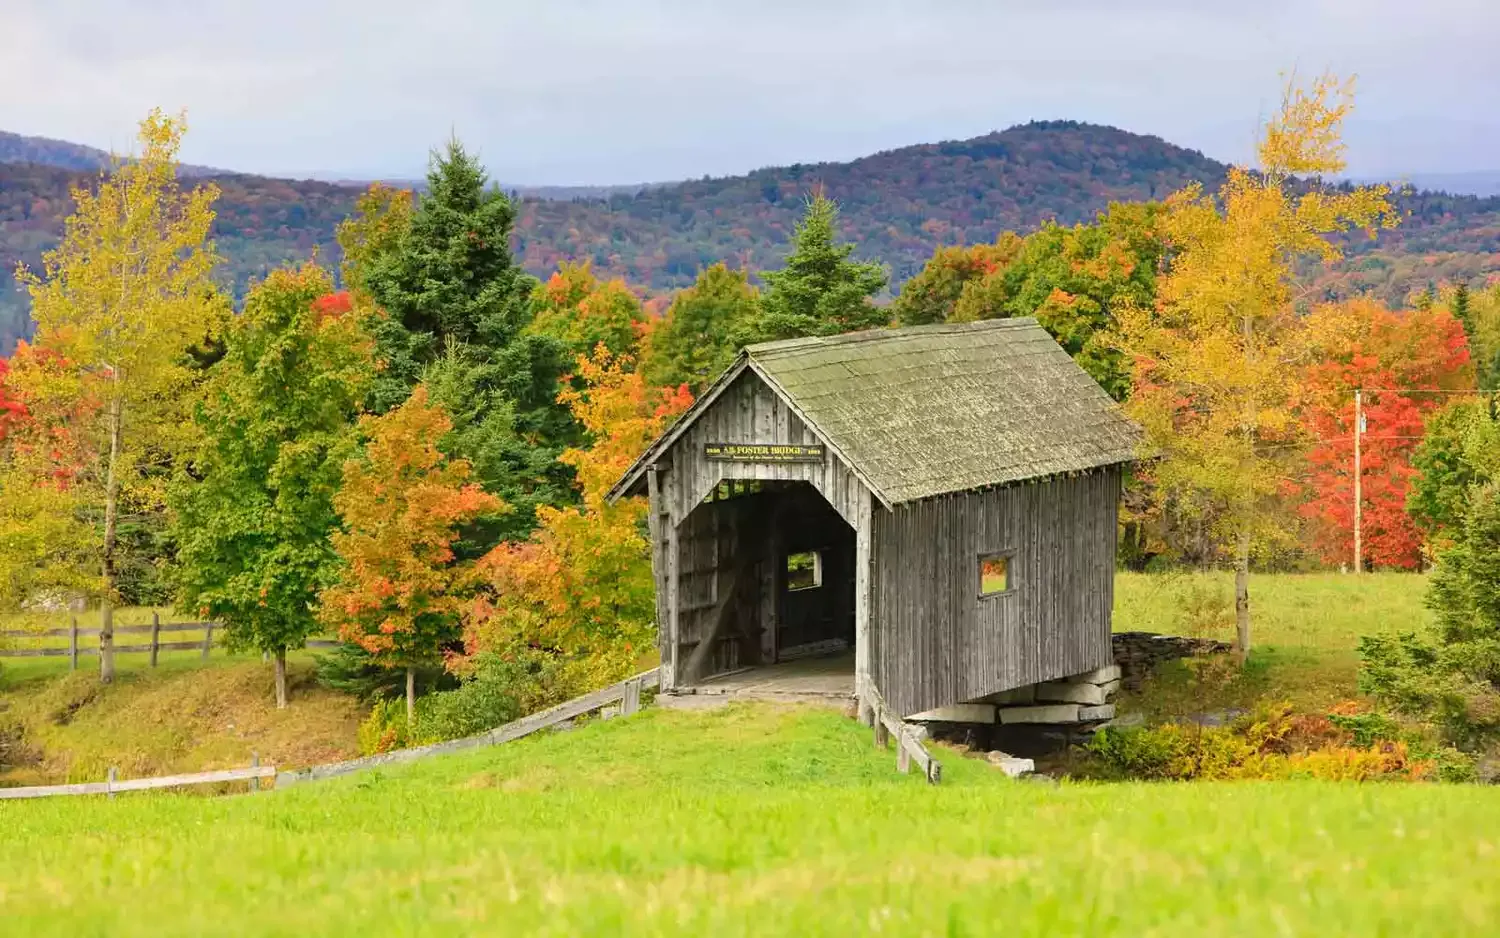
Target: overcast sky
569, 91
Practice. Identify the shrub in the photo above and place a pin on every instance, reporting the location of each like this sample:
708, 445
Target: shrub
1273, 743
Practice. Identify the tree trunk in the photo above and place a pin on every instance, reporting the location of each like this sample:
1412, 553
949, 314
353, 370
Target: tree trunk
281, 679
111, 512
411, 696
1242, 597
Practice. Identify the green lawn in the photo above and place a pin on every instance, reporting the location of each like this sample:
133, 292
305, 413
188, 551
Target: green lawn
751, 821
1305, 628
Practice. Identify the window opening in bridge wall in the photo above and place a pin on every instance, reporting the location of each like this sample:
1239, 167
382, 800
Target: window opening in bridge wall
804, 570
995, 573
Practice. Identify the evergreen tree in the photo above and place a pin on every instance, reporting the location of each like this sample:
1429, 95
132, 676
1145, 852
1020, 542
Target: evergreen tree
820, 291
696, 339
456, 312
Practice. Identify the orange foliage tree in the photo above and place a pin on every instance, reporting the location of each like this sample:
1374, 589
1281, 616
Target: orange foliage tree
400, 592
577, 600
1361, 344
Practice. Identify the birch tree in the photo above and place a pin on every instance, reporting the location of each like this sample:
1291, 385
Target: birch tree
120, 301
1213, 359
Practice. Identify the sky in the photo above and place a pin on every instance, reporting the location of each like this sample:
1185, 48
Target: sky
575, 92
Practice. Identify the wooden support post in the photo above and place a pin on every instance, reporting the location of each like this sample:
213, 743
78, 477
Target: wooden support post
73, 643
903, 757
669, 675
863, 605
631, 702
255, 764
208, 639
109, 783
155, 636
882, 735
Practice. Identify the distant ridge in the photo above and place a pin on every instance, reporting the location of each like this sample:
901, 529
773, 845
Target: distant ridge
896, 207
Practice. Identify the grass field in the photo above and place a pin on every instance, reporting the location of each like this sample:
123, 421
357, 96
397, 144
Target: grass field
751, 821
1304, 627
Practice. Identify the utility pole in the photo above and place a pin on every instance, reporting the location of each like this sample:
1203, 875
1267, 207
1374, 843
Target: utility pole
1359, 429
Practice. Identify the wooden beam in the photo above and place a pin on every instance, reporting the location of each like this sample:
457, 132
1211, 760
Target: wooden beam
503, 734
111, 785
863, 588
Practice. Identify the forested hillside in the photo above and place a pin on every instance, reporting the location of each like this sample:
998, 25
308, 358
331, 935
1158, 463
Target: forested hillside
897, 206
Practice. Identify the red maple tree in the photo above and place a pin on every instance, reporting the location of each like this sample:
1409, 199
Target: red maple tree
1394, 357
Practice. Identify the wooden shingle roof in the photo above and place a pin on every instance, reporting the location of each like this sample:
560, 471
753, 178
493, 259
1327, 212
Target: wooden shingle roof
930, 410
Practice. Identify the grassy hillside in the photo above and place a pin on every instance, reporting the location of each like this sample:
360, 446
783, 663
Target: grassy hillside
750, 821
898, 206
186, 715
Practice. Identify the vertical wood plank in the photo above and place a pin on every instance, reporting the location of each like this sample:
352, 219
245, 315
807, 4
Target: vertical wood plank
109, 783
208, 640
155, 636
255, 764
73, 643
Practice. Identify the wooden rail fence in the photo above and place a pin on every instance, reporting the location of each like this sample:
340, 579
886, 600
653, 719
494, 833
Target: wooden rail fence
909, 748
627, 693
111, 785
155, 646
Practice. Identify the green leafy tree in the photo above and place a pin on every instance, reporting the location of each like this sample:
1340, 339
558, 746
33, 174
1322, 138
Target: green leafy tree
933, 294
582, 313
254, 511
696, 339
820, 291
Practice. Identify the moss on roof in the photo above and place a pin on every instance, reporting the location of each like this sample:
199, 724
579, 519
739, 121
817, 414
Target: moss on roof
930, 410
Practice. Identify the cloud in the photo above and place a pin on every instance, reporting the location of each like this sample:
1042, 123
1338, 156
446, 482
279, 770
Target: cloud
628, 90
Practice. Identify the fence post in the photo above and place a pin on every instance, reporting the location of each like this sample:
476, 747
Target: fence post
109, 783
73, 643
255, 764
155, 636
208, 639
632, 699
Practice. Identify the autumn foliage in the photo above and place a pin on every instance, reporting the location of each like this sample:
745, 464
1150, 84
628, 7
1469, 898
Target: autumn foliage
400, 592
1361, 344
580, 589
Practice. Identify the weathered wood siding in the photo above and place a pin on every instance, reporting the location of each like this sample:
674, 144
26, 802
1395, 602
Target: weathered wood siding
937, 642
750, 412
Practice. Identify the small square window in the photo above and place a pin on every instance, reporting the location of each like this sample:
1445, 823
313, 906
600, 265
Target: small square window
995, 574
804, 571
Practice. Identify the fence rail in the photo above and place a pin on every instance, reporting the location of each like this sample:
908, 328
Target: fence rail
909, 748
626, 692
111, 785
73, 632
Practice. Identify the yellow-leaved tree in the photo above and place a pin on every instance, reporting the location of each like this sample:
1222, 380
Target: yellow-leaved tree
119, 306
1214, 360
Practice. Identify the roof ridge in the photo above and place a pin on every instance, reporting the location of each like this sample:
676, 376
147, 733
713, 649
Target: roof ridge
887, 334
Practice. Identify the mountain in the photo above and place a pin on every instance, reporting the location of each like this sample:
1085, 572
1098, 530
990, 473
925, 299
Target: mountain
897, 206
44, 151
1482, 183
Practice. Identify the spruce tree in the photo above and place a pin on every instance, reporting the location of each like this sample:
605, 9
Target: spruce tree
821, 291
457, 310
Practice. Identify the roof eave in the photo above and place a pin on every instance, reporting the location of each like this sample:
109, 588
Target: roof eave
633, 475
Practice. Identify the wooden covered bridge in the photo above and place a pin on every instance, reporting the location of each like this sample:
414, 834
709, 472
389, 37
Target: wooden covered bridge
939, 500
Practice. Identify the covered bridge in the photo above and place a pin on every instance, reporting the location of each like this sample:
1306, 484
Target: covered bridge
941, 500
